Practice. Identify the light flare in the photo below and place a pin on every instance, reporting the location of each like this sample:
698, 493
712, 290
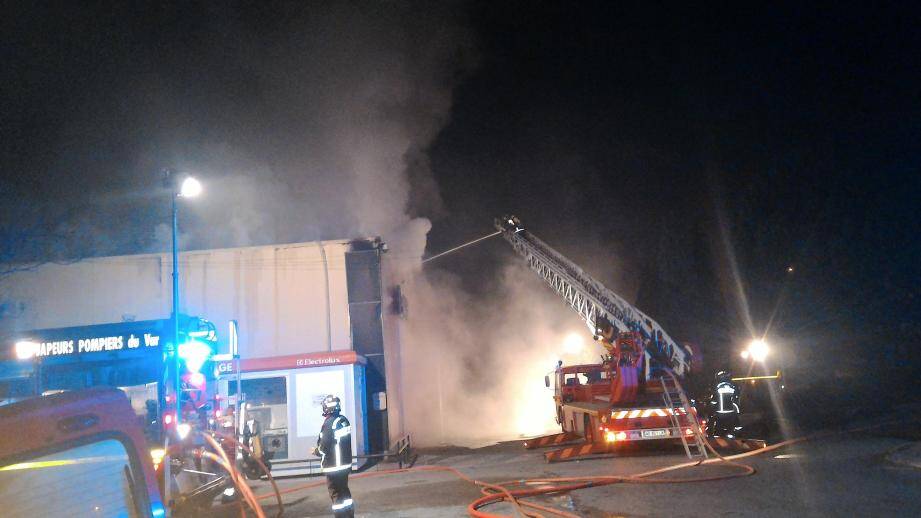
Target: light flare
758, 350
534, 407
573, 343
190, 188
26, 349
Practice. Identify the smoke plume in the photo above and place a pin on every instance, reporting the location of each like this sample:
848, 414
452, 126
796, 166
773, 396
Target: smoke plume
345, 99
473, 369
312, 123
304, 121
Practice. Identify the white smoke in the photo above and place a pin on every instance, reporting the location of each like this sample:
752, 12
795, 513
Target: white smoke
315, 125
315, 129
473, 369
350, 108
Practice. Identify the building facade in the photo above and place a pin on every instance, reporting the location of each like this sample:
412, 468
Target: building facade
287, 300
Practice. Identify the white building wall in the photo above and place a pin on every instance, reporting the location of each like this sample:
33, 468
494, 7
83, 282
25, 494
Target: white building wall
278, 294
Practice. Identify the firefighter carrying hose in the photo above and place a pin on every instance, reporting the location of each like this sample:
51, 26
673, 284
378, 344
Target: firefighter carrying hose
334, 446
724, 407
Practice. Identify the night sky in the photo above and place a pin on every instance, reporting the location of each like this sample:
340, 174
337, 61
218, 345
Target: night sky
683, 156
681, 141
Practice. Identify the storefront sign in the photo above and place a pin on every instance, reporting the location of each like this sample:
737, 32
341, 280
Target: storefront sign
94, 345
293, 361
89, 340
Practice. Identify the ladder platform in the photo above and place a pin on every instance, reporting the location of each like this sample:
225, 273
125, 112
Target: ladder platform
575, 452
551, 440
736, 444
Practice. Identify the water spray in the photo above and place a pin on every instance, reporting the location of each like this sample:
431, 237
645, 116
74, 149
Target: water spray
456, 248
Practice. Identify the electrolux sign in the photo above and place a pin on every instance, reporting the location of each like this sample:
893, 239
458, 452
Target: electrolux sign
88, 341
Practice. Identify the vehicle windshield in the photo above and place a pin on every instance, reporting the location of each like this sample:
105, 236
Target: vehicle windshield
585, 378
55, 484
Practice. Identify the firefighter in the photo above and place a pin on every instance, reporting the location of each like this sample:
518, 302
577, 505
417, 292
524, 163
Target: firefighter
252, 438
724, 407
334, 446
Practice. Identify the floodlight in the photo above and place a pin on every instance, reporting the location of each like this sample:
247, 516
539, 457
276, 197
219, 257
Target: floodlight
758, 350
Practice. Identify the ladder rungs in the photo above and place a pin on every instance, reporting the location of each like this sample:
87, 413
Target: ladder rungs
674, 397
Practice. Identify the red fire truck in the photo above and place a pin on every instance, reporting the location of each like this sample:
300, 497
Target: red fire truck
132, 356
78, 453
635, 393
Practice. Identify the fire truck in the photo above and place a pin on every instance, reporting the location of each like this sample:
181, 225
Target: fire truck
134, 357
635, 393
76, 453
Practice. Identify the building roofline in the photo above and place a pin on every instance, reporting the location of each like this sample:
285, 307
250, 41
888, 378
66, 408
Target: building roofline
302, 244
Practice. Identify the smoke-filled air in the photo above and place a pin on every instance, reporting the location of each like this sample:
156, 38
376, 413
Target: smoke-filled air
315, 125
474, 369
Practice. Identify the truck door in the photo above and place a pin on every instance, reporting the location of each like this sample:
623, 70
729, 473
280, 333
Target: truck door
76, 454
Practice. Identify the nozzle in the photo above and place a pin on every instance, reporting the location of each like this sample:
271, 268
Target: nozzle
509, 224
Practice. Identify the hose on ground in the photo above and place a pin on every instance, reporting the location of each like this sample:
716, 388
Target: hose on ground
573, 483
498, 492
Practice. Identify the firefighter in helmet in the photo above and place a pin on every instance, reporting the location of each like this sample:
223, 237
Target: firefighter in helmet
334, 446
724, 407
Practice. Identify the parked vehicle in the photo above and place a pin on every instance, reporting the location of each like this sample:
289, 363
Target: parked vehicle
79, 453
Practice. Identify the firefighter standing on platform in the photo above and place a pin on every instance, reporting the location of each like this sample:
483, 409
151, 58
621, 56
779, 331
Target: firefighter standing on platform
334, 446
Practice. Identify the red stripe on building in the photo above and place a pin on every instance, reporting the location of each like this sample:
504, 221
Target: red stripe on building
292, 361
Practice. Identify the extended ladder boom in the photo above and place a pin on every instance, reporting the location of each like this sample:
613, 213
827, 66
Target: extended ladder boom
593, 302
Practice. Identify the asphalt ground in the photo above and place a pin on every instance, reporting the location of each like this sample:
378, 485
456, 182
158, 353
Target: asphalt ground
846, 475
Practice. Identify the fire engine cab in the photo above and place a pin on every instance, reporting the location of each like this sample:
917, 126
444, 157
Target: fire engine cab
582, 394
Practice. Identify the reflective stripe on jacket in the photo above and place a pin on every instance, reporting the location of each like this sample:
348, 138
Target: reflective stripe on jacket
335, 444
726, 398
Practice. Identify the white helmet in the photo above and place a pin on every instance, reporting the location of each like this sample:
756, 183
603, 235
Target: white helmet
331, 405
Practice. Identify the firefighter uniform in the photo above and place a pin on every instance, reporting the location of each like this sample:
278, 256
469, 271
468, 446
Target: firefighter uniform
724, 403
334, 445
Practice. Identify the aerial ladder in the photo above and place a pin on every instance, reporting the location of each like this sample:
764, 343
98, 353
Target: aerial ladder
635, 393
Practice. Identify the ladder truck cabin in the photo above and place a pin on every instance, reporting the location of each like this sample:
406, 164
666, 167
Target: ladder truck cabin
634, 394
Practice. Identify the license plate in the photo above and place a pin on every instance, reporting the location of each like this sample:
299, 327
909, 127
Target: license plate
655, 433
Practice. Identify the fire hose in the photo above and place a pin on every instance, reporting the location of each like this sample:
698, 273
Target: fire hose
237, 479
573, 483
497, 492
494, 493
492, 496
